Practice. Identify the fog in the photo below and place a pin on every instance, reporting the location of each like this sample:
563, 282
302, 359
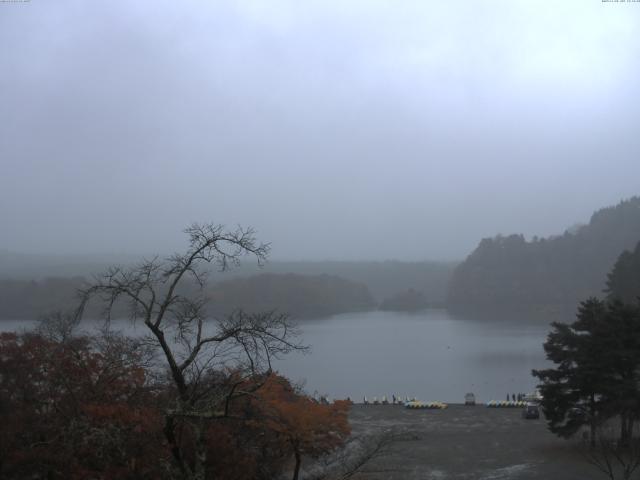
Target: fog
339, 130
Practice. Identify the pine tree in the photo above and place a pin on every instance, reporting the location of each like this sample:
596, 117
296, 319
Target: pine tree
623, 283
572, 391
597, 372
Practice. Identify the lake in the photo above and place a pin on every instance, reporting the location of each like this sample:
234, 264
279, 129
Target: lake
431, 355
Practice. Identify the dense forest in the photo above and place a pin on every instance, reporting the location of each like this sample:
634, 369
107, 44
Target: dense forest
301, 296
510, 272
304, 289
31, 299
407, 301
623, 283
384, 279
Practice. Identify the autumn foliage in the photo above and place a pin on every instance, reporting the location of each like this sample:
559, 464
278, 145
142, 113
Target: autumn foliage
92, 408
71, 411
194, 399
305, 426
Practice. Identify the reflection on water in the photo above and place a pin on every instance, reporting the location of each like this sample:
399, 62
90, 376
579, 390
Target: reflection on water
431, 355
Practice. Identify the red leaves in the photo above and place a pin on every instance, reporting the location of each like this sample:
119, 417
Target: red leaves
313, 428
84, 408
70, 411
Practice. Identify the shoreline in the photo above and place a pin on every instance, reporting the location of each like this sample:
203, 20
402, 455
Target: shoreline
468, 443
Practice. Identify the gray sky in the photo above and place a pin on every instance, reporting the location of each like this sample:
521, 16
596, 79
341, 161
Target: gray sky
338, 129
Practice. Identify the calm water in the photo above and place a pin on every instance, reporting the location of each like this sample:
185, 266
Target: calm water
431, 355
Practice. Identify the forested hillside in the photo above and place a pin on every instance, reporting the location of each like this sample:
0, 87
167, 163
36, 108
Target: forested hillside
623, 283
384, 279
301, 296
509, 271
31, 299
408, 301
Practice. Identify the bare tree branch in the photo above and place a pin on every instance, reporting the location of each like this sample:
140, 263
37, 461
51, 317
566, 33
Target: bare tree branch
211, 362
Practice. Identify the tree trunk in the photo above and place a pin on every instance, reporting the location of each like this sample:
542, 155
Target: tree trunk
625, 429
169, 433
201, 451
593, 421
296, 470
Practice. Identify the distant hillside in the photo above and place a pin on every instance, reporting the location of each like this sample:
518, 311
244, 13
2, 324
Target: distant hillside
30, 299
299, 295
408, 301
384, 279
508, 271
27, 266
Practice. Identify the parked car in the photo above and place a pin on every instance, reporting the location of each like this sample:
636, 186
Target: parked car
531, 411
469, 399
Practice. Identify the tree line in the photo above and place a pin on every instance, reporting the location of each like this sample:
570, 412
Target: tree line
512, 272
302, 296
595, 381
41, 280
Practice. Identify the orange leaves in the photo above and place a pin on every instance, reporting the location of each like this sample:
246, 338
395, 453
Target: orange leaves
69, 410
84, 409
311, 427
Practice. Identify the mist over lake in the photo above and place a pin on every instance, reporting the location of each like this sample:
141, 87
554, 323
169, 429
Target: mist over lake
432, 355
290, 210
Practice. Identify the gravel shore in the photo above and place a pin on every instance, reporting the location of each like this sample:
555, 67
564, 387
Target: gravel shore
471, 443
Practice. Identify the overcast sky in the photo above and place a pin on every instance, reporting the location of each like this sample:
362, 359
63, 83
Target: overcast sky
338, 129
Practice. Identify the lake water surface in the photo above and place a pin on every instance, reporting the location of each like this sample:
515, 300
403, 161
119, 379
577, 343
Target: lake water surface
431, 355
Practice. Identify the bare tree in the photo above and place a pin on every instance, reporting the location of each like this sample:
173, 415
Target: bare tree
210, 362
362, 456
613, 458
58, 325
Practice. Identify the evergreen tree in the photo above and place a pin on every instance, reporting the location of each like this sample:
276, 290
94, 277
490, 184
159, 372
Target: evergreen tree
597, 372
623, 283
619, 338
572, 391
